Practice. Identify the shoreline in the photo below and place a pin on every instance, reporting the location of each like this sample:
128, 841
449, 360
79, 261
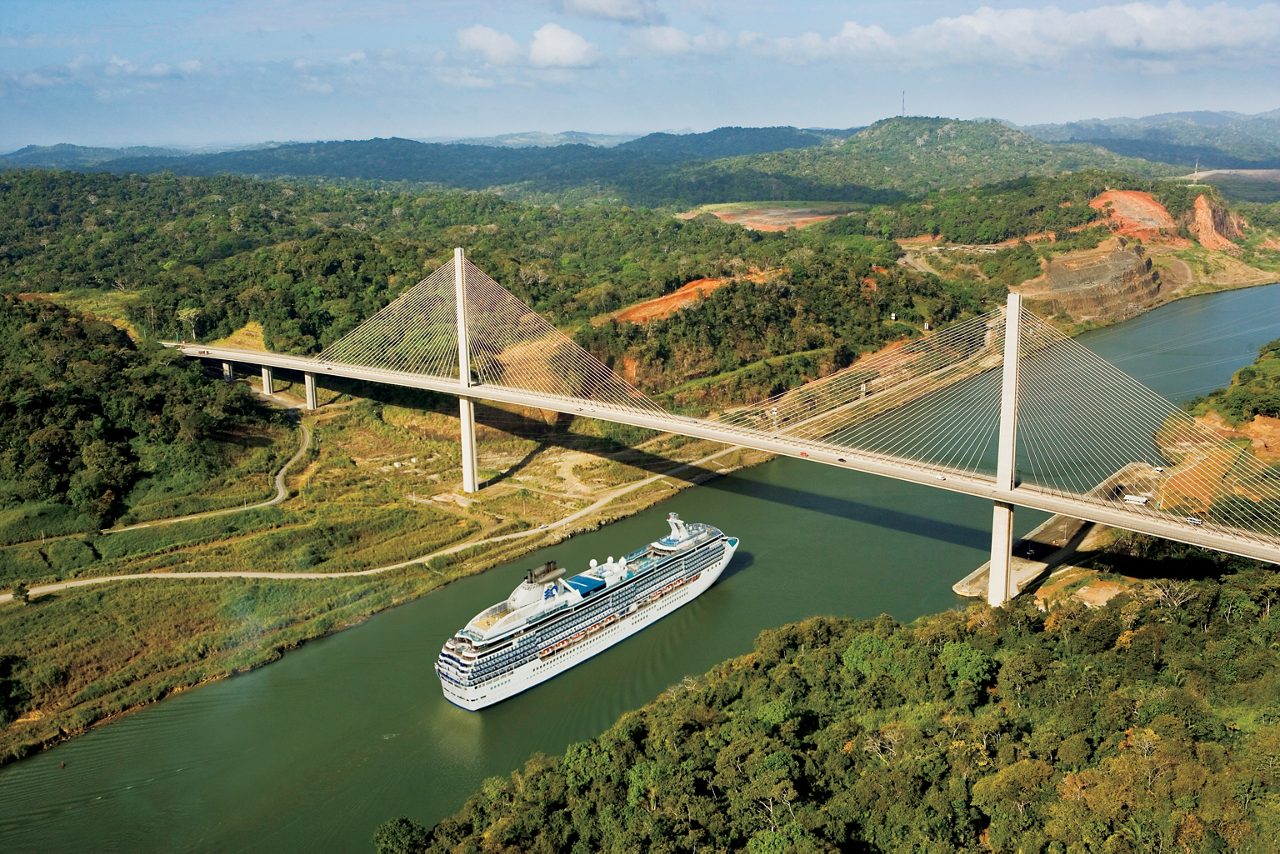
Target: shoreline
509, 547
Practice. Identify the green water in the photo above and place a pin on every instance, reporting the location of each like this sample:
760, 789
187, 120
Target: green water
313, 752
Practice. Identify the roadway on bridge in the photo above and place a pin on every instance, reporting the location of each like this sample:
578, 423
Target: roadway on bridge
1094, 509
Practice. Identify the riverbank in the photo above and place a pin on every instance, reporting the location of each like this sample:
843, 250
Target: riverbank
1055, 541
352, 729
173, 640
176, 647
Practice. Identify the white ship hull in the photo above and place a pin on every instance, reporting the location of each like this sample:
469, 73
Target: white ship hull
539, 670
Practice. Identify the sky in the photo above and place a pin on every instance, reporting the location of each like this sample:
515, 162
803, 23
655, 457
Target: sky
228, 72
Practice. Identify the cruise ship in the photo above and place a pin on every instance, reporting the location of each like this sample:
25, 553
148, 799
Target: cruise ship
550, 623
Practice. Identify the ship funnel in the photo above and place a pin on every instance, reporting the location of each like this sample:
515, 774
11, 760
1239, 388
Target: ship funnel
546, 572
678, 530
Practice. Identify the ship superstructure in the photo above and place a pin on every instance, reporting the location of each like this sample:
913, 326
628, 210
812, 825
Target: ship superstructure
550, 623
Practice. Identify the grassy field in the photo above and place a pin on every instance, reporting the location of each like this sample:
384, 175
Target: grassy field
111, 306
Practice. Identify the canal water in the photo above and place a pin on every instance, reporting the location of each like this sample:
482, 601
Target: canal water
313, 752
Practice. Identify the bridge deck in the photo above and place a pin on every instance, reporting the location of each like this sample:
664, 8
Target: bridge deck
1091, 508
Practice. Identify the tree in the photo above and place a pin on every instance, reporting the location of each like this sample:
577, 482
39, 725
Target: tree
1007, 795
21, 593
187, 317
400, 836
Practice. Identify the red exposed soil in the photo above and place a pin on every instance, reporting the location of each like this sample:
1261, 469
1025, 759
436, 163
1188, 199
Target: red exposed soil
767, 218
1095, 594
1206, 229
920, 240
1263, 433
668, 304
775, 219
630, 369
1137, 214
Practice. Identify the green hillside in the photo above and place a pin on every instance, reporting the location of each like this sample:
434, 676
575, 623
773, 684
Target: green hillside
1147, 723
67, 156
615, 171
1215, 140
884, 163
1254, 390
198, 258
86, 414
919, 155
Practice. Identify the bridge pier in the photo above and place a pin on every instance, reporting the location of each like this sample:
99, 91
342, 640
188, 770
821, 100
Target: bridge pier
309, 383
268, 380
228, 371
466, 407
1000, 570
1000, 580
470, 472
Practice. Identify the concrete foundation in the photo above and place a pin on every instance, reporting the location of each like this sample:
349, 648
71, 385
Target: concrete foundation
309, 381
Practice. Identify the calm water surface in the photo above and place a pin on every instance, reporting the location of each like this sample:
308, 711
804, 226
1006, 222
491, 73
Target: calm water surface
313, 752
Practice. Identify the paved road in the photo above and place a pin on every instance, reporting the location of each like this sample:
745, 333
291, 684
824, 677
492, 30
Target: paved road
44, 589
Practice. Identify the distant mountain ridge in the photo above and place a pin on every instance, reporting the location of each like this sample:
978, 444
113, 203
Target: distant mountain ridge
67, 156
624, 171
540, 139
916, 155
885, 162
1223, 140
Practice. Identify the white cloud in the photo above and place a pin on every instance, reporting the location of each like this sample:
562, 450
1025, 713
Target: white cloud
316, 85
556, 47
624, 11
1150, 35
36, 80
460, 78
1140, 31
496, 48
670, 41
118, 66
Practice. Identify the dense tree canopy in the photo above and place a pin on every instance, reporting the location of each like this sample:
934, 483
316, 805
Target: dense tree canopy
1147, 724
85, 413
310, 261
197, 258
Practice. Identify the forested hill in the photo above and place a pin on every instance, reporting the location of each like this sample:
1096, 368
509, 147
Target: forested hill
1254, 390
1215, 140
197, 258
884, 163
919, 155
85, 413
66, 156
621, 170
1146, 724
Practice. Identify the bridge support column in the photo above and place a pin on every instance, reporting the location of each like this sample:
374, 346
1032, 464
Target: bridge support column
1000, 579
268, 380
228, 371
309, 382
470, 473
466, 407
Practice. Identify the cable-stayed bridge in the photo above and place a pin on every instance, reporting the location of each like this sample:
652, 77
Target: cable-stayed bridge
1001, 406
